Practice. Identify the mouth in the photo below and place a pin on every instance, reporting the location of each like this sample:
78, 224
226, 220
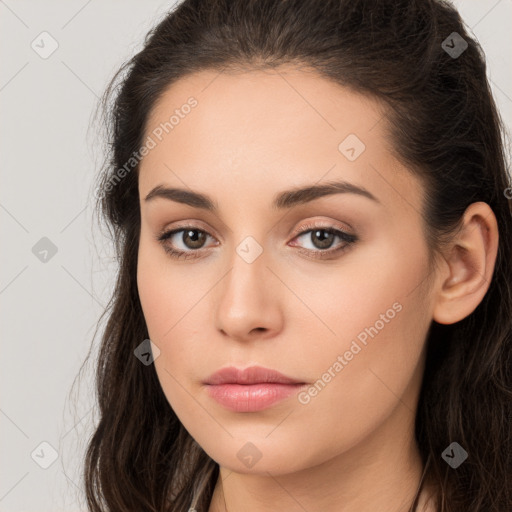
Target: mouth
251, 389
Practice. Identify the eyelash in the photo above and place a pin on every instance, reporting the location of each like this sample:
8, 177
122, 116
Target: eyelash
307, 228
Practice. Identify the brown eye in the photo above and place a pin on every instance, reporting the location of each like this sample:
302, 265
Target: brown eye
188, 242
188, 245
322, 238
321, 241
193, 238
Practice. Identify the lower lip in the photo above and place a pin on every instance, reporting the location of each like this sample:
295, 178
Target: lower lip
251, 397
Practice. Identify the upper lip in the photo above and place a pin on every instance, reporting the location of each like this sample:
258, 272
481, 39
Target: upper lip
250, 375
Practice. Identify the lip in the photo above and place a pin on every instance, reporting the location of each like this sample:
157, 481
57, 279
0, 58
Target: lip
250, 375
251, 389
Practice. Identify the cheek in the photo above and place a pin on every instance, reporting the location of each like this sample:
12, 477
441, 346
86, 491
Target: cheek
379, 314
168, 308
154, 295
166, 292
174, 307
377, 288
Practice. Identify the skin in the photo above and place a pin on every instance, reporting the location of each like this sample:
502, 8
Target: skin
252, 135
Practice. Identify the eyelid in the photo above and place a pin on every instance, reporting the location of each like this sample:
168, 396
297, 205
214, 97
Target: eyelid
318, 224
299, 230
167, 233
302, 230
190, 224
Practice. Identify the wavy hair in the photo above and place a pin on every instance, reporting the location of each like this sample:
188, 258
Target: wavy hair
443, 124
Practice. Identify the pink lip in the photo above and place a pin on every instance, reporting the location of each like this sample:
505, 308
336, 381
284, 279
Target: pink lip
249, 390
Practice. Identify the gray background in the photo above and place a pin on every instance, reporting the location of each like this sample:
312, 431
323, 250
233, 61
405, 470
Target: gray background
50, 153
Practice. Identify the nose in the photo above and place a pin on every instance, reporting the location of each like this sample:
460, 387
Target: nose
247, 302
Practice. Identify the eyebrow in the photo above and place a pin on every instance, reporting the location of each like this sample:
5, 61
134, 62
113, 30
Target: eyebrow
286, 199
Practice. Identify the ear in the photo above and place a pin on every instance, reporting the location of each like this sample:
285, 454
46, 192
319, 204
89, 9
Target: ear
470, 261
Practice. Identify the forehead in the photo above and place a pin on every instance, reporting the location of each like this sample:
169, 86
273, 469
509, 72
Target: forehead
259, 102
270, 129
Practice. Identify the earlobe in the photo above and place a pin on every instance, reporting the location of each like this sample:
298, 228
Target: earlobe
470, 265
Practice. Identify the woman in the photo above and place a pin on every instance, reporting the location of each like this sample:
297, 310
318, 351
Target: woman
313, 308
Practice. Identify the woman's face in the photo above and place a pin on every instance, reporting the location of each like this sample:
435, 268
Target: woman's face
267, 276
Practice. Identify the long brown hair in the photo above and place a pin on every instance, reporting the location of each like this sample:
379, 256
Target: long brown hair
443, 124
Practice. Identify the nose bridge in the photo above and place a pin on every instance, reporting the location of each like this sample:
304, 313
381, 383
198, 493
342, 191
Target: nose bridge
250, 249
247, 299
248, 269
247, 238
